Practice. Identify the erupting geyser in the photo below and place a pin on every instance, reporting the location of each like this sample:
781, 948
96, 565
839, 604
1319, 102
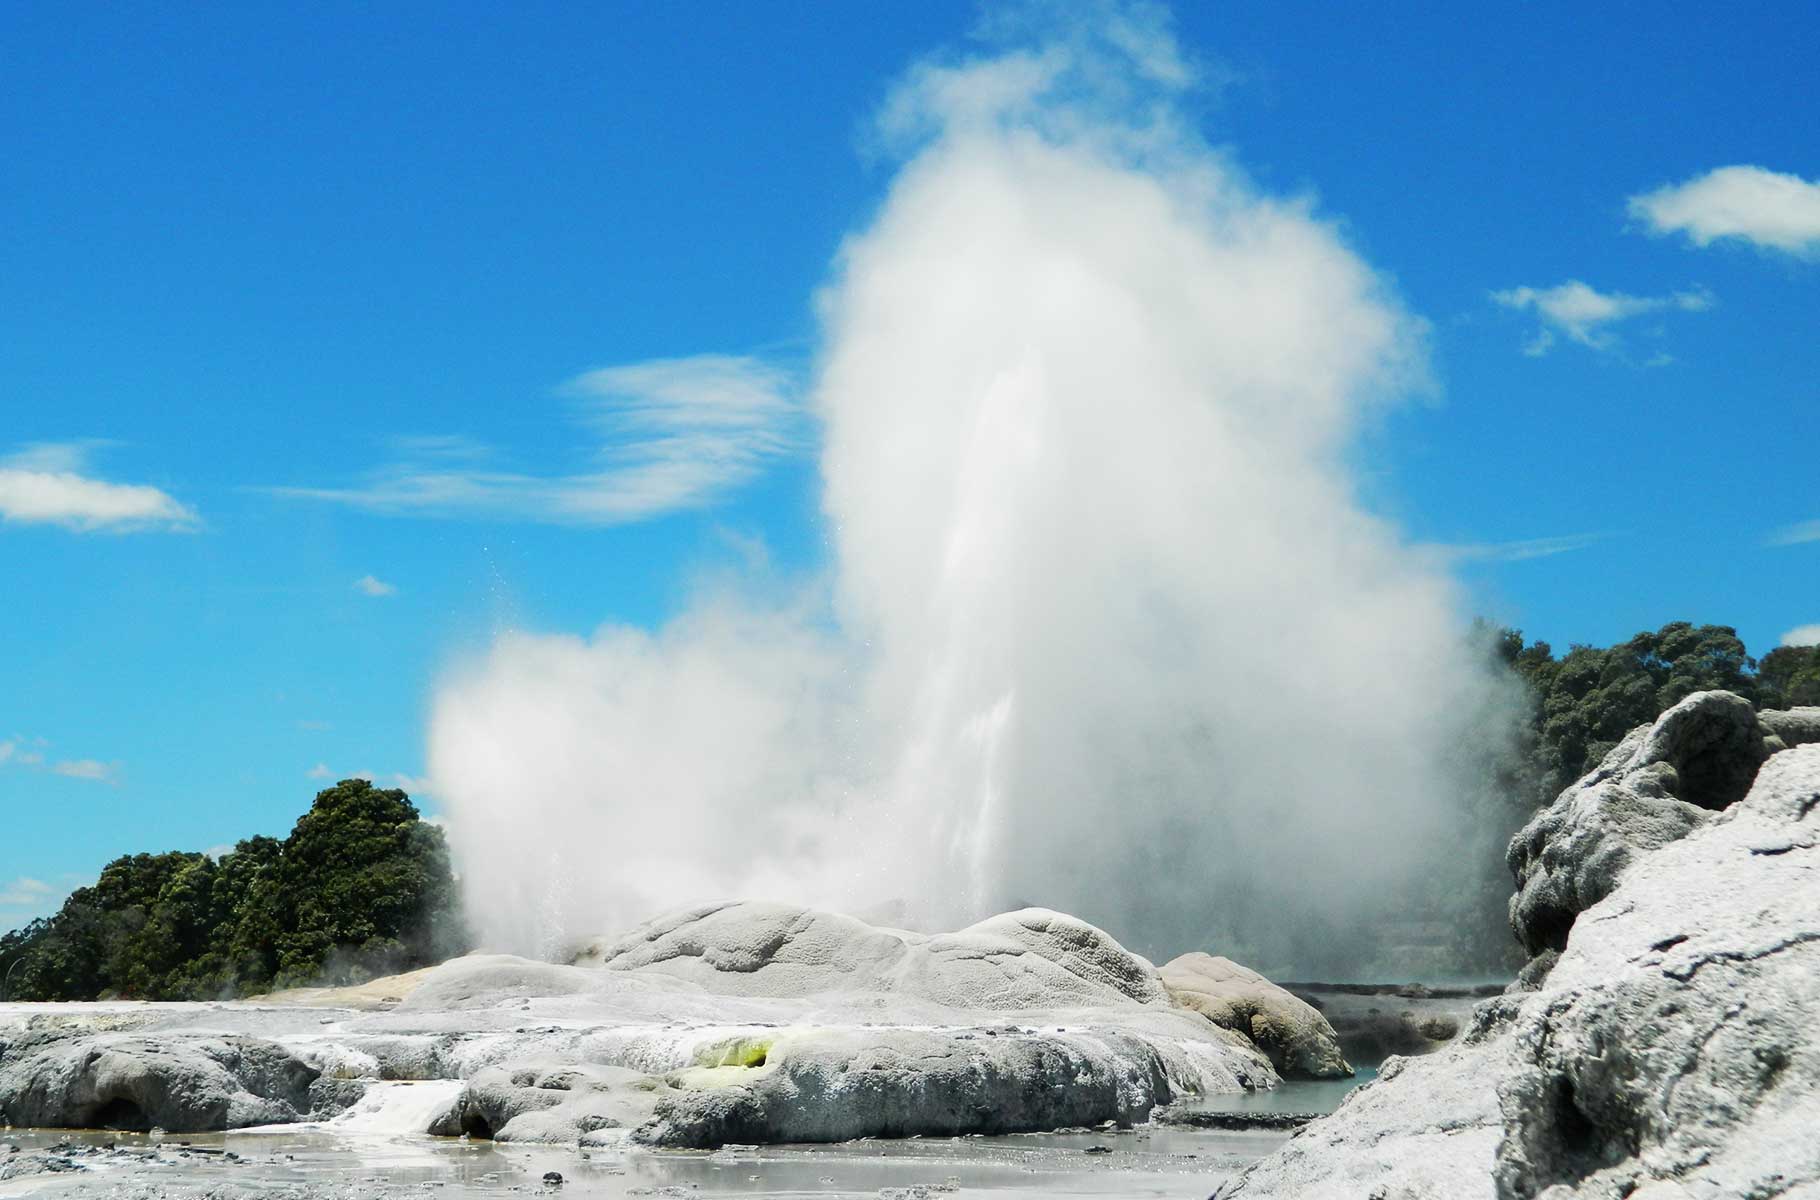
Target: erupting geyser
1105, 627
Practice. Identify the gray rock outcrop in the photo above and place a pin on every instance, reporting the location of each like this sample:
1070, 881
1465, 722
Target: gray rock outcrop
833, 1087
1658, 785
1671, 1052
180, 1084
1291, 1031
1784, 729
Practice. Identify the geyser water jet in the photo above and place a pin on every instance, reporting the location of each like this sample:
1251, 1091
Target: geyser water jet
1105, 628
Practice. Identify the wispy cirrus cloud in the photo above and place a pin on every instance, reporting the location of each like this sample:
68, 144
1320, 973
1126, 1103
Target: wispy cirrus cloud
672, 434
25, 752
24, 898
24, 892
1768, 209
1583, 314
52, 483
371, 585
91, 769
1796, 534
32, 755
1519, 551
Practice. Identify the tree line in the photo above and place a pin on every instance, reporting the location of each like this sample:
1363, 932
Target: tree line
1584, 702
361, 887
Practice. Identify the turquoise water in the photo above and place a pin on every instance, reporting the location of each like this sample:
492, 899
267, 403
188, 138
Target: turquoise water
1292, 1096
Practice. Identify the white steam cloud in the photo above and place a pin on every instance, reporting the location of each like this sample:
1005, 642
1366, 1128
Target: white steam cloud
1105, 630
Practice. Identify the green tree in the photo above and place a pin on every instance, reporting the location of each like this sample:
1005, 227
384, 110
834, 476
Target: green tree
1790, 676
254, 913
362, 886
1586, 701
369, 885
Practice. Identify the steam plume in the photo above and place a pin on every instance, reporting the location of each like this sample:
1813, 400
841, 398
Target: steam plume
1106, 629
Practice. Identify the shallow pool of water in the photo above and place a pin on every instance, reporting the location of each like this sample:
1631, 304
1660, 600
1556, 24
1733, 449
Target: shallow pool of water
1290, 1096
317, 1162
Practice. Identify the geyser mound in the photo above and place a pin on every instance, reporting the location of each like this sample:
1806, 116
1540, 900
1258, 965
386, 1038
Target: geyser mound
744, 1022
1105, 628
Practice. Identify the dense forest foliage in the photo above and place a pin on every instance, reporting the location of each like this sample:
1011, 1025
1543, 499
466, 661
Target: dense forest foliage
1583, 703
361, 887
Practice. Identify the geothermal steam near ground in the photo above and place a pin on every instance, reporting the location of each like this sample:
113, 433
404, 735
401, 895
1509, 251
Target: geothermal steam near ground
1104, 630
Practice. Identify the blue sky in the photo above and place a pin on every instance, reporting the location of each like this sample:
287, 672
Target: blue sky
335, 290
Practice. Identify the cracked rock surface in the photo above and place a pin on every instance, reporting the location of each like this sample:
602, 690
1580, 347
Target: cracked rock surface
1671, 1053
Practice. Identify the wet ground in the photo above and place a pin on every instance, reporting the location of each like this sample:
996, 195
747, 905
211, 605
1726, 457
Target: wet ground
314, 1163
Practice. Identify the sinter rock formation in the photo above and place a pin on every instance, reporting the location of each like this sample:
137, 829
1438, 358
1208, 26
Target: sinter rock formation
141, 1083
1657, 785
1671, 1050
1297, 1037
724, 1023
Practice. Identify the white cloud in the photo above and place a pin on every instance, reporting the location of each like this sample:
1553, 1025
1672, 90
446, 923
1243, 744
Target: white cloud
368, 585
673, 434
29, 752
24, 892
87, 768
1795, 535
46, 484
1802, 635
320, 771
1522, 550
416, 785
1585, 315
1768, 209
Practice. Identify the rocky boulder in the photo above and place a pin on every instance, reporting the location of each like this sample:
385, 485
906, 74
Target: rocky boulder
1292, 1032
829, 1083
183, 1084
1671, 1053
1658, 785
1784, 729
565, 1103
836, 1085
